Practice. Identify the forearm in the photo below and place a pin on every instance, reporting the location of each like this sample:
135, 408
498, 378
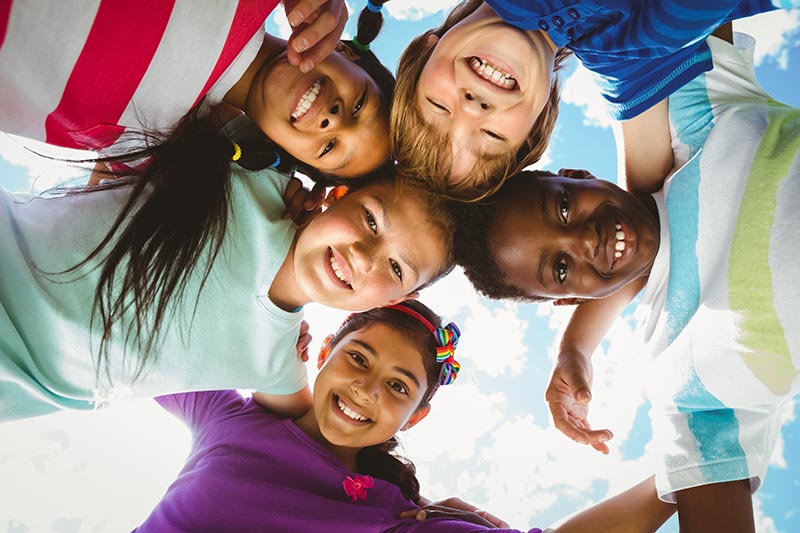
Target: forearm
637, 510
716, 508
288, 405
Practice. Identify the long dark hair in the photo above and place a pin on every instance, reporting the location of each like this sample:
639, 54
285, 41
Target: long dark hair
174, 220
382, 460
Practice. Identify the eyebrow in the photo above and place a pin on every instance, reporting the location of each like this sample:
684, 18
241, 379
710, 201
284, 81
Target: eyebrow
388, 223
376, 355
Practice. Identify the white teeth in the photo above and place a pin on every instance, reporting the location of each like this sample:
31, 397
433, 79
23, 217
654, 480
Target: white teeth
619, 246
492, 73
617, 254
620, 235
335, 267
618, 226
306, 100
349, 412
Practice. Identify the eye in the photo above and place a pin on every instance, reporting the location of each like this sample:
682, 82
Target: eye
370, 218
399, 387
494, 135
396, 268
328, 147
438, 106
360, 103
561, 270
359, 359
563, 208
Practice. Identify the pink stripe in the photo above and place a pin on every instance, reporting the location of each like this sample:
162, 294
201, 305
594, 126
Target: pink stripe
124, 37
249, 17
5, 14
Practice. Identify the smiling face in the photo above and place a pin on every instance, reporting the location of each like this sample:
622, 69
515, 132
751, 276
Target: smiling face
370, 387
332, 118
557, 236
484, 98
373, 247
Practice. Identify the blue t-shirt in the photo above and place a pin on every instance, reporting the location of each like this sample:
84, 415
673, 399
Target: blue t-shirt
640, 51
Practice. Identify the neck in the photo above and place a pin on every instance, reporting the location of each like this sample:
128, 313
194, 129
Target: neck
270, 49
284, 291
309, 425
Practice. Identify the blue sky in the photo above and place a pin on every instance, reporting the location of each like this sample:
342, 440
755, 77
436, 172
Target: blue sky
488, 439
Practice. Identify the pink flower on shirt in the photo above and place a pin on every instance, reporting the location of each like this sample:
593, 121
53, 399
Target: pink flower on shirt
356, 486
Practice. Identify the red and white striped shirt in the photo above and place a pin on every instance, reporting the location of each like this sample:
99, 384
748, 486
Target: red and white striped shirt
77, 73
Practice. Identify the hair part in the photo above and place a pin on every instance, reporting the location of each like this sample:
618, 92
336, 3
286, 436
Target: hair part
382, 460
422, 151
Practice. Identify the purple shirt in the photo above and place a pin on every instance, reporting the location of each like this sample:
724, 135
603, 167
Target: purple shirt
250, 470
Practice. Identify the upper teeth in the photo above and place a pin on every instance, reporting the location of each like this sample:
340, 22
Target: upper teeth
492, 73
306, 100
619, 246
349, 412
335, 267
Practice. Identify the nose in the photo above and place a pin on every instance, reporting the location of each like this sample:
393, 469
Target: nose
365, 389
585, 241
360, 257
331, 117
475, 103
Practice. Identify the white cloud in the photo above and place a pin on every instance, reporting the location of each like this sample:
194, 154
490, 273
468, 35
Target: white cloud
415, 10
775, 32
764, 523
579, 89
494, 341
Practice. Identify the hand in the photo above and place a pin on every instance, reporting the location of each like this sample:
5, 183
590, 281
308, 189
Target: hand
303, 340
458, 509
317, 26
568, 396
302, 205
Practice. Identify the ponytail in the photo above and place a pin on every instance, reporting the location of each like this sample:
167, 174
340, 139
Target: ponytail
370, 22
382, 462
173, 221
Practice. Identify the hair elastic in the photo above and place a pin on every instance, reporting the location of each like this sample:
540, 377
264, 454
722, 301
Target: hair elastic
237, 152
277, 160
358, 45
375, 8
446, 342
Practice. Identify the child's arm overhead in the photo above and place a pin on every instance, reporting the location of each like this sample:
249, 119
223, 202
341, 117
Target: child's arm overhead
644, 150
569, 391
316, 28
288, 405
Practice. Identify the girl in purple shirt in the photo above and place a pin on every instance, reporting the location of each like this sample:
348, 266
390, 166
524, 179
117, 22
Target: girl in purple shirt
333, 469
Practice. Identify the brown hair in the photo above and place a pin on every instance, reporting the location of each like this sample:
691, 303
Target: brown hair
381, 460
423, 152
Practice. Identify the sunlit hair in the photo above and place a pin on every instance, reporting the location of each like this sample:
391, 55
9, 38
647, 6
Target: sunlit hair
382, 460
423, 152
474, 251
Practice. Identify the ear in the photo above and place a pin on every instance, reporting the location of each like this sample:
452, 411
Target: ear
410, 296
348, 52
569, 301
324, 351
418, 415
578, 174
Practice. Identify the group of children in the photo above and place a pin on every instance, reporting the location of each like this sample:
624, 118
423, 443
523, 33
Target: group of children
177, 271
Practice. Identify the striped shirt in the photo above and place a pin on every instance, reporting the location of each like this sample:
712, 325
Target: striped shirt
77, 73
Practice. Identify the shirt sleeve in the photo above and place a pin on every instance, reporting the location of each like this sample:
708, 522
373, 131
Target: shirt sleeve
199, 410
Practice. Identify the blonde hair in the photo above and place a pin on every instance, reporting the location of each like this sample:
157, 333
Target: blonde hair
423, 152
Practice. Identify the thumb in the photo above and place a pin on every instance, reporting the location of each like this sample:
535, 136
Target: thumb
579, 386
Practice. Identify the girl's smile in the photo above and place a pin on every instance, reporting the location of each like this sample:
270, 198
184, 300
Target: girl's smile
332, 118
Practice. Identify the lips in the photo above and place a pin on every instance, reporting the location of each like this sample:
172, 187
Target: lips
309, 102
492, 73
349, 412
338, 270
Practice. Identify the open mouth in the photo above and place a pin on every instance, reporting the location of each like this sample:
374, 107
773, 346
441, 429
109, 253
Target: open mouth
337, 270
308, 98
349, 413
492, 73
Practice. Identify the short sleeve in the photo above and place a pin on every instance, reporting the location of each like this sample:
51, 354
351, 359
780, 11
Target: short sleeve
199, 410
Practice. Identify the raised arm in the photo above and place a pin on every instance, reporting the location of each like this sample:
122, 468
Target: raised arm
288, 405
644, 150
569, 391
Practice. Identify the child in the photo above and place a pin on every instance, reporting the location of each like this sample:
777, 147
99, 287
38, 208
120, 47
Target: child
380, 371
716, 251
198, 312
468, 113
79, 75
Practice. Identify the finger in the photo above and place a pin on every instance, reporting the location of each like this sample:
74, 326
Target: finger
315, 197
304, 328
304, 355
495, 521
464, 516
561, 419
319, 39
303, 11
293, 197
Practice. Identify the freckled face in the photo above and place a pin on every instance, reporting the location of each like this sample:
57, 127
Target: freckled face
370, 386
560, 237
371, 248
485, 98
330, 118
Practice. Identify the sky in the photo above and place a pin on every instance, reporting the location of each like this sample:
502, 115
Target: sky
488, 439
